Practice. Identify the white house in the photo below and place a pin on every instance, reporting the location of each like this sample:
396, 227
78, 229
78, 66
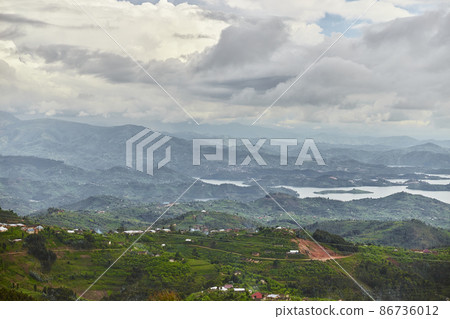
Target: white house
188, 239
292, 251
3, 229
239, 289
132, 232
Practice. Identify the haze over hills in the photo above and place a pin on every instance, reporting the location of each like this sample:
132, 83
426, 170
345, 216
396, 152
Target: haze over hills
49, 162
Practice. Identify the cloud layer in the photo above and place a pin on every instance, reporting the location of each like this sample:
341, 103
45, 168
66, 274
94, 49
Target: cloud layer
228, 61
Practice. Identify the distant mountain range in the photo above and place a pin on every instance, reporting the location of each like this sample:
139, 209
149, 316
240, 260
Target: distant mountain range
49, 162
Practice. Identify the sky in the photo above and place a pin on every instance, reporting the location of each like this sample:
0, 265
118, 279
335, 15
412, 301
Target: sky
216, 62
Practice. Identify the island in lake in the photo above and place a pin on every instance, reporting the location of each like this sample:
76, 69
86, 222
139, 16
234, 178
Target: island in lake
341, 191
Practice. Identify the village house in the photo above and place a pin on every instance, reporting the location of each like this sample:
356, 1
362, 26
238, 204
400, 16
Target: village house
133, 232
257, 296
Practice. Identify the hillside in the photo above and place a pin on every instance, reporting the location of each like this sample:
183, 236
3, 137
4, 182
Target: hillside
410, 234
400, 206
184, 266
106, 213
211, 220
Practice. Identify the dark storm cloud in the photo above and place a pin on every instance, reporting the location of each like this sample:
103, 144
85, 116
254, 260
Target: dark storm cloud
247, 42
112, 67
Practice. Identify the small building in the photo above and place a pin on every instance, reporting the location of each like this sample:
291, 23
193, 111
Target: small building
257, 296
3, 229
293, 251
228, 286
188, 240
38, 229
255, 254
133, 232
239, 289
30, 231
273, 296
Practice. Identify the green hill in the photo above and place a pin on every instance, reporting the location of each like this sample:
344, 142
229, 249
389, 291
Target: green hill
410, 234
396, 207
211, 220
56, 265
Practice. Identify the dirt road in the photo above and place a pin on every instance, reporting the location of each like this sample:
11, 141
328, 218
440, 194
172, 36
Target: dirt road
315, 251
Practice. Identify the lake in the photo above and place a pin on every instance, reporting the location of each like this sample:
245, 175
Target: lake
376, 191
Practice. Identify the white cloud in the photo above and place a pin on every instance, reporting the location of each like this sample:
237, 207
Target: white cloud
227, 61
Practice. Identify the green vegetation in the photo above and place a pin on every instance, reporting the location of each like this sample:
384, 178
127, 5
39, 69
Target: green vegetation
164, 266
334, 240
410, 234
35, 245
263, 211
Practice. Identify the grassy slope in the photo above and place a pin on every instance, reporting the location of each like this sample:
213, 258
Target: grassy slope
411, 234
216, 260
397, 207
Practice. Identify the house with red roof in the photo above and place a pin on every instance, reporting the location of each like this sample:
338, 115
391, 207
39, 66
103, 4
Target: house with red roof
257, 296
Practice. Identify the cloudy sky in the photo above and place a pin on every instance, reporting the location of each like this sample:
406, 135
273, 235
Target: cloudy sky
227, 61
